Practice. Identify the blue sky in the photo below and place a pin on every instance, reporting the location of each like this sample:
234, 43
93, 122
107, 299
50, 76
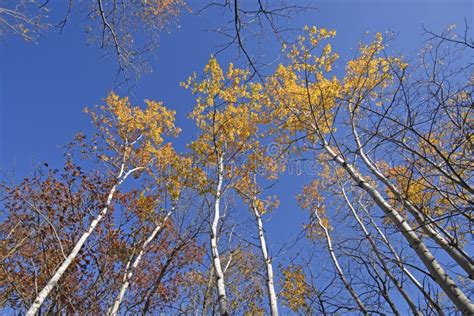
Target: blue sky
44, 87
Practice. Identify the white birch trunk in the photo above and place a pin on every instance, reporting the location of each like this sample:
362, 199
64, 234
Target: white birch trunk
426, 223
221, 291
268, 264
337, 266
449, 287
400, 264
386, 269
129, 271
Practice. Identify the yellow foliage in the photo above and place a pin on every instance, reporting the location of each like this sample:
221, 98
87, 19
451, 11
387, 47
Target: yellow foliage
140, 134
139, 131
369, 73
294, 288
226, 111
302, 95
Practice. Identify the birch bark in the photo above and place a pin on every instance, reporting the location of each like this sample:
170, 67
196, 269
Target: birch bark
459, 299
426, 224
386, 269
130, 270
221, 291
268, 264
337, 266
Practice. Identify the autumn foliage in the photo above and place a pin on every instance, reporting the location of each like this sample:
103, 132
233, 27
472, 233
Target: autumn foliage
157, 229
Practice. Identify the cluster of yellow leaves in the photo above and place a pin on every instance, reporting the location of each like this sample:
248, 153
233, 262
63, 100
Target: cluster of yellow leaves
369, 73
146, 205
150, 16
302, 55
302, 95
294, 288
122, 124
161, 8
139, 133
227, 110
254, 310
267, 205
186, 175
413, 189
174, 172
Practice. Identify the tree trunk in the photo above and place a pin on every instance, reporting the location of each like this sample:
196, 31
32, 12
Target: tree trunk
386, 269
400, 264
426, 223
268, 264
129, 271
221, 291
337, 266
77, 247
436, 270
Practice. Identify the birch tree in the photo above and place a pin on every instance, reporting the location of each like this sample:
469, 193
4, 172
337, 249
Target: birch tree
171, 176
311, 104
225, 119
129, 134
312, 200
258, 165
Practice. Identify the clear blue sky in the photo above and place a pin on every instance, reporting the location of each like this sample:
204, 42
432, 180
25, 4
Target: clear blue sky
45, 86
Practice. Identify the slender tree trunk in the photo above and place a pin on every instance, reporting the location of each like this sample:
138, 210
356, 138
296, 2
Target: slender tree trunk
268, 264
400, 264
221, 291
436, 270
386, 269
77, 247
426, 223
129, 271
337, 266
